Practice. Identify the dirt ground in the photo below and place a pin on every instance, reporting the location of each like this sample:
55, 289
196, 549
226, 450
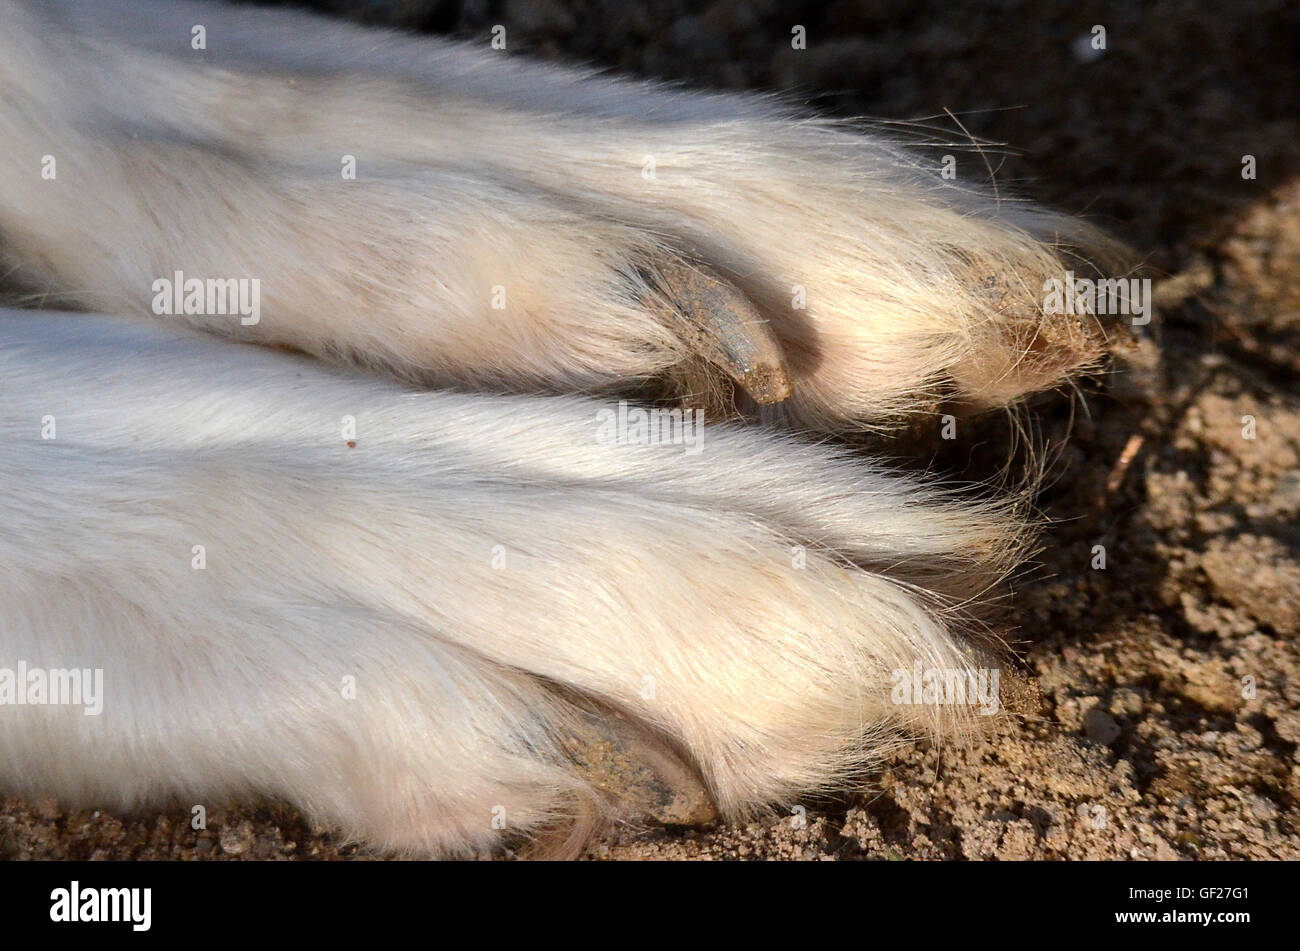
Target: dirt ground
1170, 678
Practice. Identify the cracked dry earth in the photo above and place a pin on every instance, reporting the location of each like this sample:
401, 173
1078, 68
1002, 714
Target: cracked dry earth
1170, 678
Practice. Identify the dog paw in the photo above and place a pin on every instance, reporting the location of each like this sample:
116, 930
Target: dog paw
481, 620
825, 271
885, 288
798, 270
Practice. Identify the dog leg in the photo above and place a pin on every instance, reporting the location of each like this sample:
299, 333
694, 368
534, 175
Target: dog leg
391, 608
497, 245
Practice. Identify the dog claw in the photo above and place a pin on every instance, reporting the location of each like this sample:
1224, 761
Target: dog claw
724, 328
641, 774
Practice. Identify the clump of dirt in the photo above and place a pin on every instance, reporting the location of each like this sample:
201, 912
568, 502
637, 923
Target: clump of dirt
1170, 676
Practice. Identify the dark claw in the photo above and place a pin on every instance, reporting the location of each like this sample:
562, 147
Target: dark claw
723, 327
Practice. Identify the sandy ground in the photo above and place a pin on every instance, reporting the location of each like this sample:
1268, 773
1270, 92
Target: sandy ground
1170, 678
